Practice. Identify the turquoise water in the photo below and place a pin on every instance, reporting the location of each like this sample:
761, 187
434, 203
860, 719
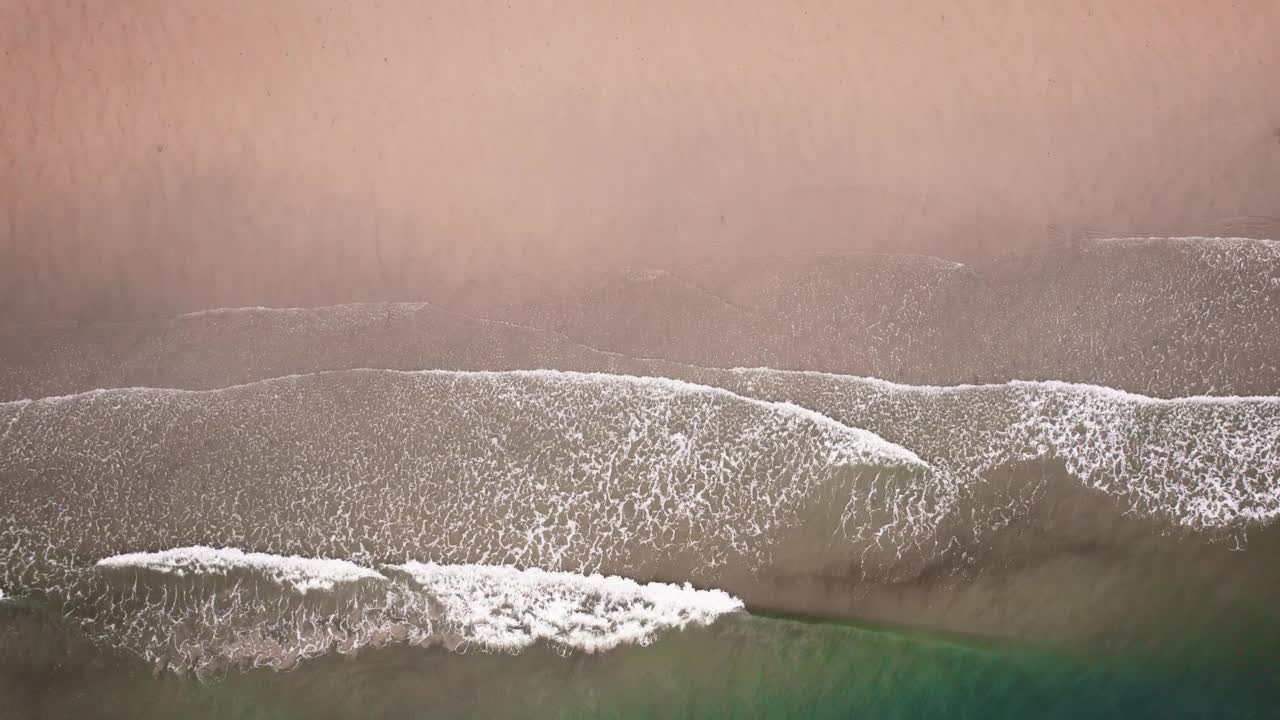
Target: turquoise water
743, 666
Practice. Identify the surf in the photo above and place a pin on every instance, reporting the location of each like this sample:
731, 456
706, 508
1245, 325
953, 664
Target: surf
840, 496
208, 610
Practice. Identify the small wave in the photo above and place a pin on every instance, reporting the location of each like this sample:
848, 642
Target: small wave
362, 307
505, 608
1230, 243
1207, 462
302, 574
208, 610
864, 445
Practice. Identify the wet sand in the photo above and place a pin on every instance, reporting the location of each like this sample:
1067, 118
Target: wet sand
1162, 317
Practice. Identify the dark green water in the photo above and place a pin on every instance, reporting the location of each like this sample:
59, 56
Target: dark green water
742, 667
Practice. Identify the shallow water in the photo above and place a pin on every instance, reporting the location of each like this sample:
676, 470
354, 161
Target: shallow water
742, 666
331, 540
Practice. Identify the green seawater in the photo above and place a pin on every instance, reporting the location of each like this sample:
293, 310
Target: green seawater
743, 666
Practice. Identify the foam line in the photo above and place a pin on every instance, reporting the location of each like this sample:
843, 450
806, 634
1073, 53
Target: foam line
302, 574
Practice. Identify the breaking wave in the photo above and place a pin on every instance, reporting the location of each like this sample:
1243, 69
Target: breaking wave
1205, 462
642, 477
209, 610
427, 489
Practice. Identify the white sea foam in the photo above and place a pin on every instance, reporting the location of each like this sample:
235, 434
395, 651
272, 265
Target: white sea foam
860, 444
504, 608
381, 307
184, 625
1031, 385
1209, 462
302, 574
1195, 242
590, 472
563, 471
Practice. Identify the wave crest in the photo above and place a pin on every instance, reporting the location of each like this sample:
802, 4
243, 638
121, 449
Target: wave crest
208, 610
644, 477
1204, 462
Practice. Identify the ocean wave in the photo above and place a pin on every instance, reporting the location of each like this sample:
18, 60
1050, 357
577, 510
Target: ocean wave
755, 481
207, 610
1206, 462
643, 476
509, 609
302, 574
359, 311
1235, 245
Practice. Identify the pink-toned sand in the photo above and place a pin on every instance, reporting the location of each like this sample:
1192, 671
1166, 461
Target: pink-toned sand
158, 156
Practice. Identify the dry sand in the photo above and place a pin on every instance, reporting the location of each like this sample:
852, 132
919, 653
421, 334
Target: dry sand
167, 156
